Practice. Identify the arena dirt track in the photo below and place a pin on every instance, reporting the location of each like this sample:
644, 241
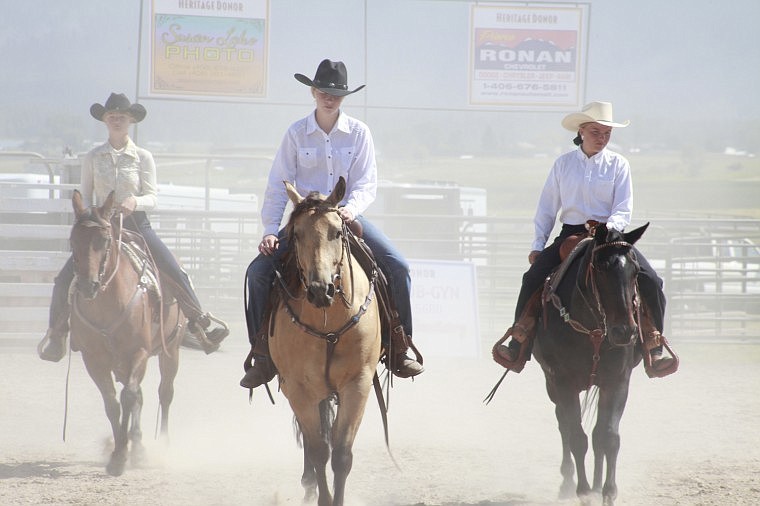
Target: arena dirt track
690, 439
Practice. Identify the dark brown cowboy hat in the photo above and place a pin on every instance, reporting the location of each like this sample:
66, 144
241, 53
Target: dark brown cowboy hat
331, 78
118, 102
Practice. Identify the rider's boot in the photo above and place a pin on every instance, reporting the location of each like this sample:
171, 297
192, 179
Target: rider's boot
52, 347
262, 370
401, 364
514, 355
209, 339
655, 364
199, 322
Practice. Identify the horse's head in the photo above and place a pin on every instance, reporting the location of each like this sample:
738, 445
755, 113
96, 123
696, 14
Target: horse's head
316, 235
91, 243
612, 277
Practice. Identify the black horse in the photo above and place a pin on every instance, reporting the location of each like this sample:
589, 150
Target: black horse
590, 336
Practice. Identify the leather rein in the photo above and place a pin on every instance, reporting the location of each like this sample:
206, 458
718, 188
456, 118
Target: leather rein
598, 334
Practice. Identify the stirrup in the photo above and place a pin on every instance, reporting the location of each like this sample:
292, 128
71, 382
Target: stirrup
659, 367
51, 348
405, 367
503, 355
261, 372
209, 341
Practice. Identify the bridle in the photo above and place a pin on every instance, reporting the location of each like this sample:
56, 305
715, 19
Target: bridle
331, 337
598, 335
140, 290
102, 286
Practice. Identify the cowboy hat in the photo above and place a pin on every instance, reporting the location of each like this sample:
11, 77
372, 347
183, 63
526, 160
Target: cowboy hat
118, 103
594, 112
331, 78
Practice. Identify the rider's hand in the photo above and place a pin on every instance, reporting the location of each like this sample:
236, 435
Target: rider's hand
128, 205
268, 244
346, 215
532, 256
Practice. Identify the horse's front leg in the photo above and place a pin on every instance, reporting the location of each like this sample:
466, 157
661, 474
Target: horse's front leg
132, 402
168, 366
568, 412
308, 479
606, 439
353, 400
315, 447
567, 469
100, 372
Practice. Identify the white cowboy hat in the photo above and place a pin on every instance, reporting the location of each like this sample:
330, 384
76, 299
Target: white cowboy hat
594, 112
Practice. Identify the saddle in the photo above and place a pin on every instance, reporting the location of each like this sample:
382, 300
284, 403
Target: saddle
133, 246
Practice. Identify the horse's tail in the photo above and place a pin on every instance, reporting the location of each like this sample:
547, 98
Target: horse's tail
326, 418
589, 407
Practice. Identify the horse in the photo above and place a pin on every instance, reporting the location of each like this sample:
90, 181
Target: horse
117, 324
590, 337
324, 339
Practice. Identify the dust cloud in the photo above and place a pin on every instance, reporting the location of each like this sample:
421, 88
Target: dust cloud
687, 439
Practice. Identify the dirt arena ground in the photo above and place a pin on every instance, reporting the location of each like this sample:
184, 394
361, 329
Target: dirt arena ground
690, 439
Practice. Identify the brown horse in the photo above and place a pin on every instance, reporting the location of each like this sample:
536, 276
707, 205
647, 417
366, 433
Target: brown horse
117, 324
324, 339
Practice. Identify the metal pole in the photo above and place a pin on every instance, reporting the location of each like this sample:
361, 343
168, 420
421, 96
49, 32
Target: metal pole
139, 52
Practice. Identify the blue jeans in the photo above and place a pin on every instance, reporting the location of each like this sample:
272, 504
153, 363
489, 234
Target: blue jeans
390, 260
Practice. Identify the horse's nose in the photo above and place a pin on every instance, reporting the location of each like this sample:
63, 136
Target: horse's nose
621, 335
89, 289
320, 295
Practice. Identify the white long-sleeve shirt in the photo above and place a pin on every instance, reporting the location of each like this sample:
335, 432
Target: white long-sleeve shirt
580, 188
130, 172
312, 160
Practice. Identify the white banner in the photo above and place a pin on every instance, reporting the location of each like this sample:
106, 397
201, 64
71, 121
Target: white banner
528, 55
445, 308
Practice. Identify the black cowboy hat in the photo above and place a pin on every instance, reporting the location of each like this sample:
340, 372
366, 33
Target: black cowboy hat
118, 102
331, 78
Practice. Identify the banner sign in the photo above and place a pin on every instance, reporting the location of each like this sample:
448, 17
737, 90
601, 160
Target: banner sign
528, 55
209, 47
445, 308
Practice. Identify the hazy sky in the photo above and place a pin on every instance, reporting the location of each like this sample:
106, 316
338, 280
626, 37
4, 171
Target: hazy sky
673, 65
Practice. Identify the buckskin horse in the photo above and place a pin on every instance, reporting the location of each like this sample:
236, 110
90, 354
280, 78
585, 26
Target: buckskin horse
590, 337
118, 323
324, 338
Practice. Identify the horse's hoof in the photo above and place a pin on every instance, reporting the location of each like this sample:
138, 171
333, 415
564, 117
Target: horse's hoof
115, 468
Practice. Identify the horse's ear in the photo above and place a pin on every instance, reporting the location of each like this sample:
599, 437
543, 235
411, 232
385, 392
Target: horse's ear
600, 232
338, 192
293, 194
634, 235
107, 209
78, 204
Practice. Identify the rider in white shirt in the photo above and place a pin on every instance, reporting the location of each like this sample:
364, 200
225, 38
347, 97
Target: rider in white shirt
590, 183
